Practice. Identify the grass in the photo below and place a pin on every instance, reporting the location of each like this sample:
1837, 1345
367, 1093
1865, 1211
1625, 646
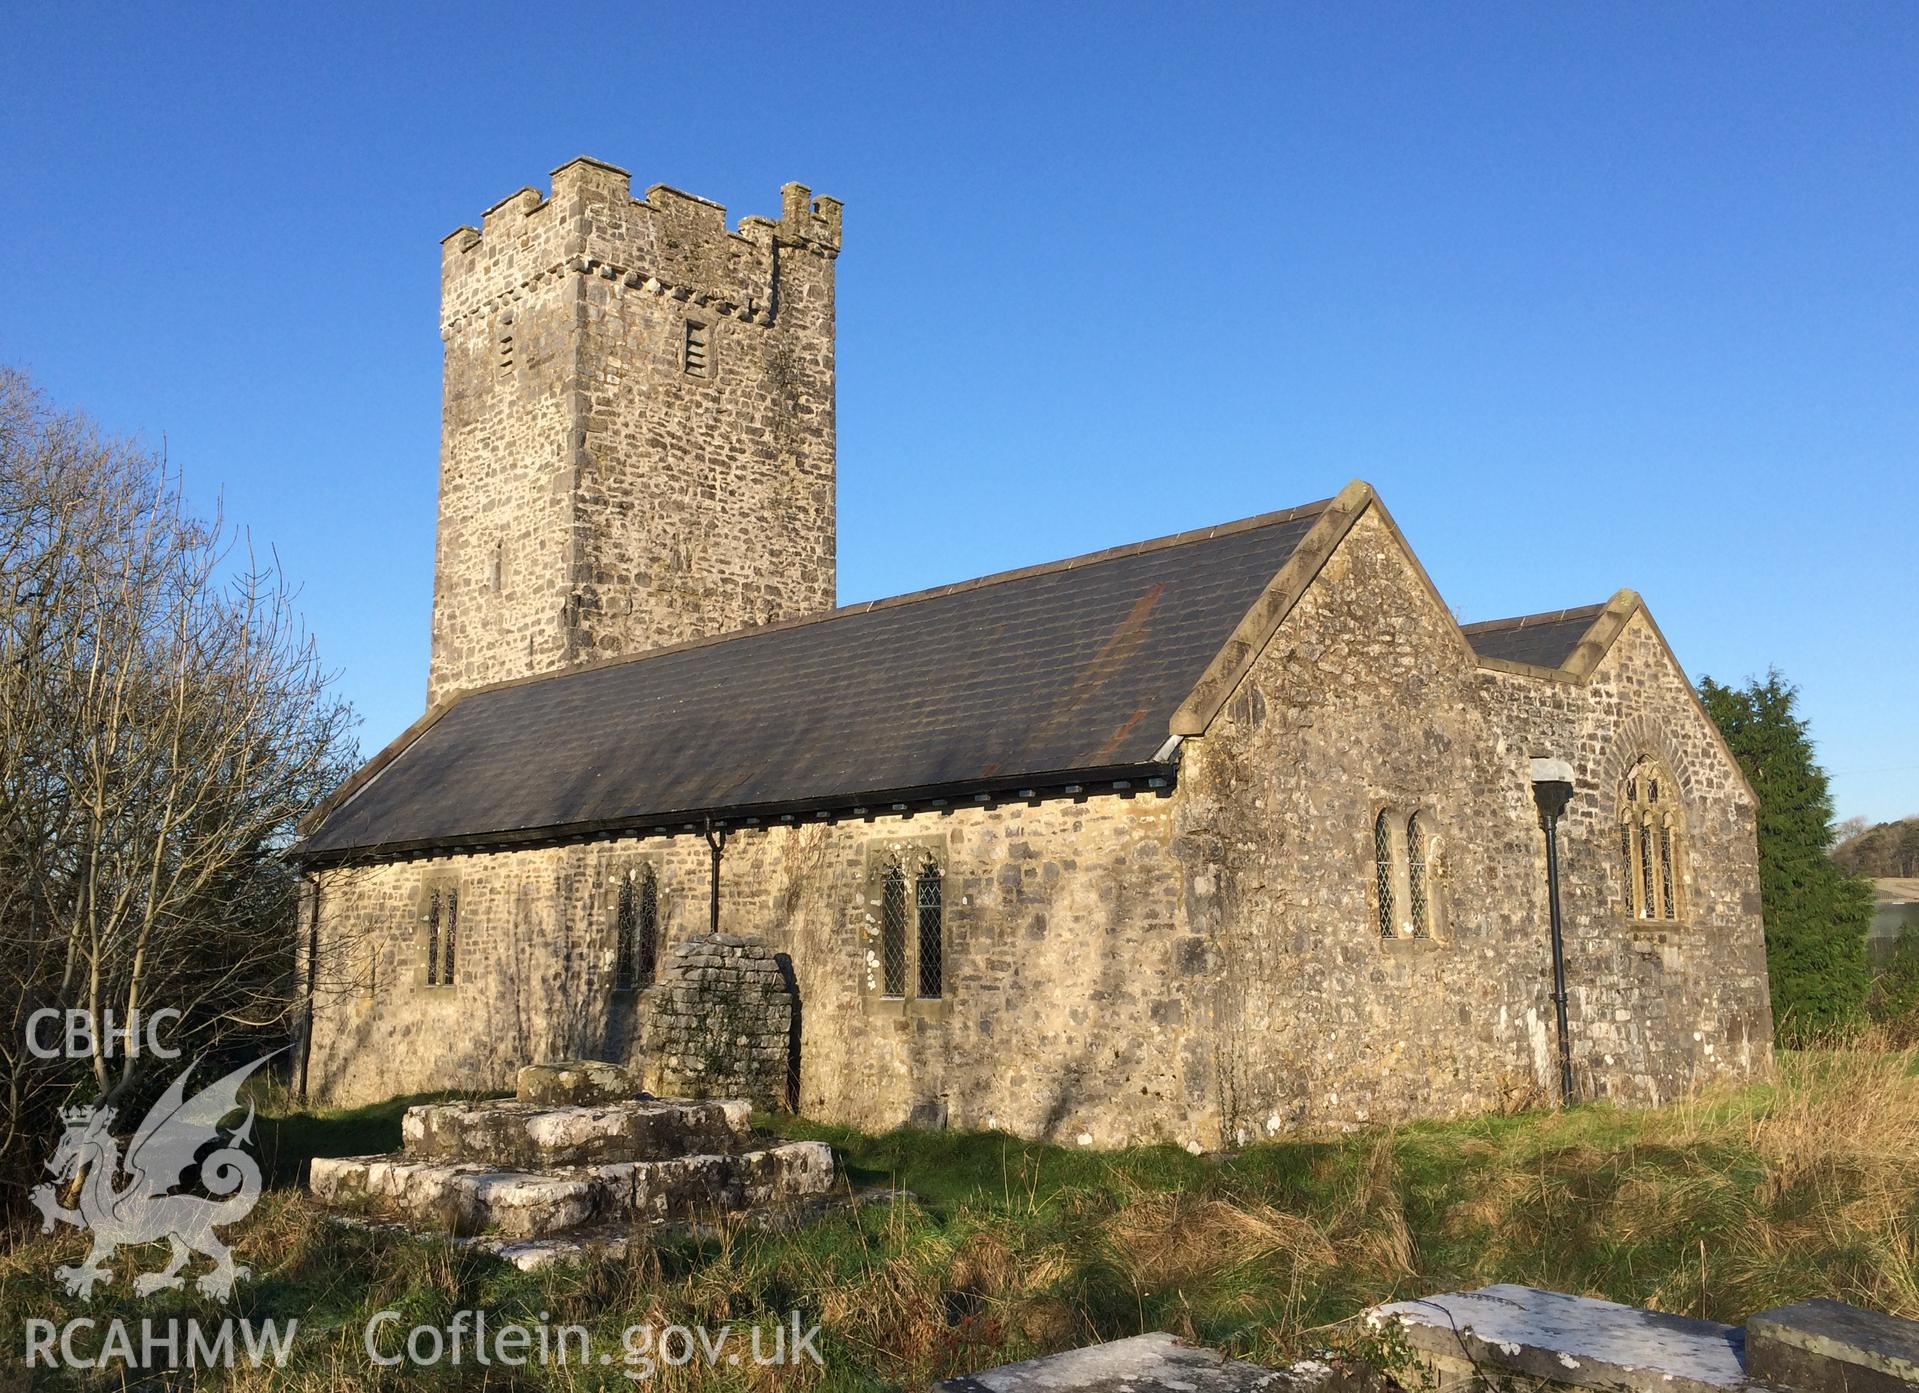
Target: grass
1717, 1206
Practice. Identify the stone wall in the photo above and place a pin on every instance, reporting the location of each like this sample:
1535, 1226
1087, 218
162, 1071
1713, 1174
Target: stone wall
1656, 1005
596, 496
719, 1023
1201, 968
1067, 974
1368, 699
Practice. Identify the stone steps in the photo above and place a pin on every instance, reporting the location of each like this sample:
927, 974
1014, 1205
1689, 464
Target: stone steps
472, 1198
534, 1136
579, 1162
615, 1241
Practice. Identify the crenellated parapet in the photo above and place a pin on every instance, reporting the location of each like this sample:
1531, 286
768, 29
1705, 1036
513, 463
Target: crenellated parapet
670, 244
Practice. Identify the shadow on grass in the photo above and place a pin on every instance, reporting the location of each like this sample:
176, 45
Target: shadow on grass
285, 1141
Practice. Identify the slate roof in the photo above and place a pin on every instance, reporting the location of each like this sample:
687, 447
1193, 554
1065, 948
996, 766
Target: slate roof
1056, 673
1543, 640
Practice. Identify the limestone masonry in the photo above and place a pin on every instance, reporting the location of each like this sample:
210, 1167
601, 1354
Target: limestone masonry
1203, 840
637, 440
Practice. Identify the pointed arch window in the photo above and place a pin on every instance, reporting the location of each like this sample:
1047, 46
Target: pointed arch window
1652, 845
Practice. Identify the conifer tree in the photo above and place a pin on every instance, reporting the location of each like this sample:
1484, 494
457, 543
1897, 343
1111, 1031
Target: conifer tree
1816, 915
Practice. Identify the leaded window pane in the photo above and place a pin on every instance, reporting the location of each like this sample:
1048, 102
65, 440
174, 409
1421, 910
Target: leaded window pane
1627, 869
1416, 875
624, 920
1648, 903
893, 931
451, 936
1665, 873
1383, 871
931, 943
433, 938
647, 950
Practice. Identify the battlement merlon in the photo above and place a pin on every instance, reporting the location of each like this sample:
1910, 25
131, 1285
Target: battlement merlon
592, 201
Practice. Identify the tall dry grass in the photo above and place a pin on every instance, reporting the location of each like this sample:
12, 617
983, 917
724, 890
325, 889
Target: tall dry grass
1720, 1205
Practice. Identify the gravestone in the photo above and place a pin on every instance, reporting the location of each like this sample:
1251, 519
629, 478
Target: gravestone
1464, 1336
1822, 1346
1155, 1363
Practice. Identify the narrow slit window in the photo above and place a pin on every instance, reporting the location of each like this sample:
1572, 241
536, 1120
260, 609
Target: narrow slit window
647, 949
893, 932
449, 937
1665, 873
699, 350
636, 931
1416, 876
433, 938
931, 945
625, 921
1627, 867
1383, 871
1648, 898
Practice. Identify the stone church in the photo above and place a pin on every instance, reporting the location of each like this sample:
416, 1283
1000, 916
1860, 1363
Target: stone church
1205, 838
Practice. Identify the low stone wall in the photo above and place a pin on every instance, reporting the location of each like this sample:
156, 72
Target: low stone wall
720, 1023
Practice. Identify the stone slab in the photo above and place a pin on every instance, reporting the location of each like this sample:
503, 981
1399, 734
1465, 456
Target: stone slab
615, 1241
468, 1198
1573, 1340
560, 1082
1155, 1363
511, 1133
1822, 1346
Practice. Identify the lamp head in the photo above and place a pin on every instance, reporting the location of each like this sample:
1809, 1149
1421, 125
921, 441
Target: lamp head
1552, 785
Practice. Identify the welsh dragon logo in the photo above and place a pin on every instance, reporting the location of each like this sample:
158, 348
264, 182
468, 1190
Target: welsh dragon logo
144, 1209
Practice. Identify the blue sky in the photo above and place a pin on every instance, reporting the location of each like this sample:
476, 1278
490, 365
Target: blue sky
1596, 295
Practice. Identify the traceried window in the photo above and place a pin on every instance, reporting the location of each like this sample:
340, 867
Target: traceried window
893, 930
906, 894
442, 934
926, 894
636, 931
1652, 844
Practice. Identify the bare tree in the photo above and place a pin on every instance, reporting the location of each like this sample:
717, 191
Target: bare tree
164, 721
1843, 832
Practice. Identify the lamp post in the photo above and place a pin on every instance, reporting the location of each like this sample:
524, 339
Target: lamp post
716, 842
1552, 790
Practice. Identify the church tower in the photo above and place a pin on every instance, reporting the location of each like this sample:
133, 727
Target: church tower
637, 429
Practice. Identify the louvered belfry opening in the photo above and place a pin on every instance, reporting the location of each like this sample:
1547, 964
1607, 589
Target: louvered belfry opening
699, 350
